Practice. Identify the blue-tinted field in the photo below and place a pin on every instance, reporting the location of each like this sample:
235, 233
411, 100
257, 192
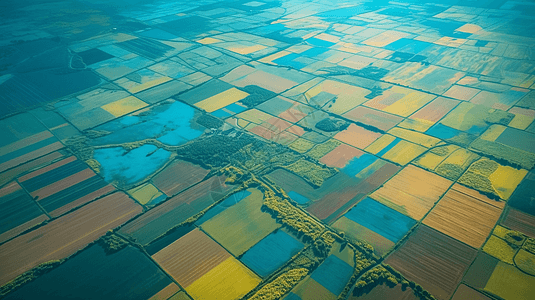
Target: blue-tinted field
381, 219
333, 274
271, 253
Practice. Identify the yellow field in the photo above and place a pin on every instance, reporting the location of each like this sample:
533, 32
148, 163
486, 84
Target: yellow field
415, 137
149, 84
416, 124
124, 106
525, 261
404, 152
505, 180
499, 249
493, 133
221, 100
145, 193
380, 144
309, 289
254, 116
244, 50
229, 280
409, 104
510, 283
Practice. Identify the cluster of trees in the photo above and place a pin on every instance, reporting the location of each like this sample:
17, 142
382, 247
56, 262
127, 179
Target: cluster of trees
28, 276
311, 172
280, 285
293, 218
385, 274
112, 243
529, 245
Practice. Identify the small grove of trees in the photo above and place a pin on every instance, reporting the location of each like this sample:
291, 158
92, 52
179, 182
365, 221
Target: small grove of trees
296, 221
385, 274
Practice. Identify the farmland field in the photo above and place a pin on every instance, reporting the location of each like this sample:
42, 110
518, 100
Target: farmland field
433, 259
465, 215
201, 262
250, 224
177, 209
65, 235
267, 149
412, 192
115, 275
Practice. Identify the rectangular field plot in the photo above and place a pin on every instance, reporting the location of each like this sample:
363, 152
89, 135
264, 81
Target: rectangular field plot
124, 274
400, 101
412, 192
395, 149
65, 235
520, 221
371, 117
434, 260
178, 176
176, 210
270, 78
248, 222
204, 269
449, 161
12, 173
99, 106
511, 144
521, 198
24, 138
272, 252
375, 222
64, 185
326, 282
465, 215
341, 191
18, 211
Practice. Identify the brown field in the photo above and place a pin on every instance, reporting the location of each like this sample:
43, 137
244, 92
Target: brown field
190, 257
434, 260
65, 235
412, 192
12, 173
466, 215
520, 221
177, 209
357, 136
372, 117
383, 291
341, 155
69, 190
179, 175
465, 292
31, 155
166, 292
